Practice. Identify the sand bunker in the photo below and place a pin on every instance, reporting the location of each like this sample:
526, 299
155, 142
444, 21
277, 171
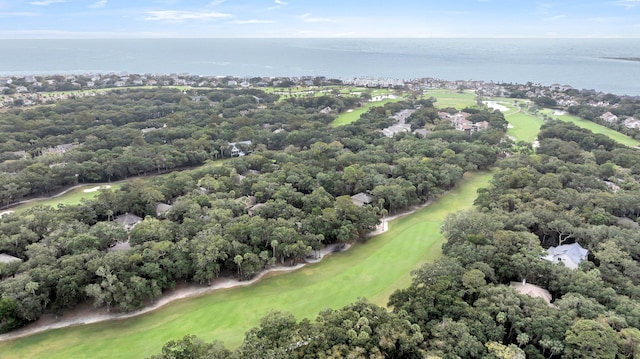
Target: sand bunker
5, 213
93, 189
496, 106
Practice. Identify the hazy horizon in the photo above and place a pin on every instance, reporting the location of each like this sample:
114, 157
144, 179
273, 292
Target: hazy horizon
114, 19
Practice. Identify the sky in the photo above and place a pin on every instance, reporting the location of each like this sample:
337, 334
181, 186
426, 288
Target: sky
319, 18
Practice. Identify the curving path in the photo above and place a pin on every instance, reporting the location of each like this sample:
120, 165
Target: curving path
100, 315
101, 184
79, 317
37, 199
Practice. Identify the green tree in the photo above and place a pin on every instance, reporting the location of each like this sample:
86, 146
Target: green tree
9, 317
589, 338
191, 347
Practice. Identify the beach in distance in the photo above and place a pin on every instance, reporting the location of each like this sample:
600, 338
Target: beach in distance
600, 64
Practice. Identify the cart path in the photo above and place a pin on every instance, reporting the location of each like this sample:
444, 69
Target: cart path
90, 315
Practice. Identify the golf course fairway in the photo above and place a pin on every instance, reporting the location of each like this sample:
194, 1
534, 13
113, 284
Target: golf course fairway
372, 270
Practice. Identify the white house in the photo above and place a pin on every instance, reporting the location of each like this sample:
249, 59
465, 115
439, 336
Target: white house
631, 122
237, 150
571, 255
609, 117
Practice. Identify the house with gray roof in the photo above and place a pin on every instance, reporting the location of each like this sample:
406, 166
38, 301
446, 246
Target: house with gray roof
253, 208
59, 149
570, 255
128, 220
632, 122
148, 129
162, 209
609, 117
361, 199
120, 246
400, 125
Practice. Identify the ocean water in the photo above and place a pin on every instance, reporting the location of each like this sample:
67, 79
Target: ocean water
581, 63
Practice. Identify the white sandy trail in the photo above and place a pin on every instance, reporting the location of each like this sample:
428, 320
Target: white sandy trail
100, 314
96, 315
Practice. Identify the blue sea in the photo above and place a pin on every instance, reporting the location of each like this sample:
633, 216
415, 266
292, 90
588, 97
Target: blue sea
581, 63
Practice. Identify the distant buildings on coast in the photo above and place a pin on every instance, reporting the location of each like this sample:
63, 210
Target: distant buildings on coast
25, 91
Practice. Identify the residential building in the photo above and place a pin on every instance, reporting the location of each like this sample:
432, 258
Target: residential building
238, 149
361, 199
570, 255
59, 149
609, 117
128, 220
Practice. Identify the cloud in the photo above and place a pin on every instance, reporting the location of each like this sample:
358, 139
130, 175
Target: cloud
99, 4
279, 4
629, 4
308, 18
46, 2
252, 21
181, 16
66, 34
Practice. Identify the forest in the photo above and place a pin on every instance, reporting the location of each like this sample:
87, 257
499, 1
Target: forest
577, 187
229, 216
292, 195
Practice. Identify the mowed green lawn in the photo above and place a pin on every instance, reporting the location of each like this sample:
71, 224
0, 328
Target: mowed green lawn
523, 126
594, 127
75, 196
372, 270
349, 117
72, 197
449, 98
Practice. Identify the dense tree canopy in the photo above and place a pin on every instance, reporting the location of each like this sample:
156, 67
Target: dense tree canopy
234, 217
463, 306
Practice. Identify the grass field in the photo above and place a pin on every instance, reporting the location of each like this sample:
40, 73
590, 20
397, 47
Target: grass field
372, 270
525, 126
296, 91
72, 197
75, 196
349, 117
322, 91
449, 98
594, 127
